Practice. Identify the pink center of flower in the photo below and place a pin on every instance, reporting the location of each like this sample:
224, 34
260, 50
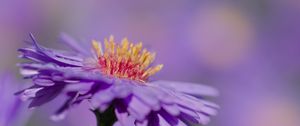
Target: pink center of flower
125, 60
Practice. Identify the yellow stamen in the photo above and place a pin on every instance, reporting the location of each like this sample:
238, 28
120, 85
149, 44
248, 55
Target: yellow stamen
97, 47
155, 69
125, 60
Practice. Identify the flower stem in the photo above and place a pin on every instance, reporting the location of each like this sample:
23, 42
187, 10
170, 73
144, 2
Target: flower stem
106, 118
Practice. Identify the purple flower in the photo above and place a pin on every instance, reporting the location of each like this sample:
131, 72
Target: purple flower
116, 75
11, 108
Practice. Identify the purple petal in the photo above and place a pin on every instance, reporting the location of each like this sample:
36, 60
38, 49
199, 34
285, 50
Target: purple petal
138, 109
43, 82
162, 121
47, 55
172, 120
162, 94
102, 97
204, 118
190, 116
78, 87
181, 123
32, 54
28, 72
171, 109
29, 93
189, 88
45, 95
209, 110
198, 104
146, 96
62, 111
210, 104
189, 119
188, 102
63, 59
142, 123
122, 90
123, 118
59, 117
117, 123
188, 112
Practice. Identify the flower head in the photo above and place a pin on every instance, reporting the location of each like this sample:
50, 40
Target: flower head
116, 75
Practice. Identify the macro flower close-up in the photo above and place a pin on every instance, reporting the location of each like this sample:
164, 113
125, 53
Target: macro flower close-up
149, 63
116, 76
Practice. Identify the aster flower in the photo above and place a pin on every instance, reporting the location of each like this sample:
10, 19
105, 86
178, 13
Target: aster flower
115, 78
12, 110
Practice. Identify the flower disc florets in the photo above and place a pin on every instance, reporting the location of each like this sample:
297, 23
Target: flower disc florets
125, 60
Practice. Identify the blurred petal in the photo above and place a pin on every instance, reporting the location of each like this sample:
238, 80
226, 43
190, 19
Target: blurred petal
189, 88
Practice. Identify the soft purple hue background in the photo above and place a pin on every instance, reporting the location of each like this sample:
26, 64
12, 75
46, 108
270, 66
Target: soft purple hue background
12, 110
248, 49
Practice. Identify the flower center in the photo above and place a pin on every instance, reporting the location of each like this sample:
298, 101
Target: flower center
125, 60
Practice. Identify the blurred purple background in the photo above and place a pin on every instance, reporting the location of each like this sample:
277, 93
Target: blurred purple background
248, 49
